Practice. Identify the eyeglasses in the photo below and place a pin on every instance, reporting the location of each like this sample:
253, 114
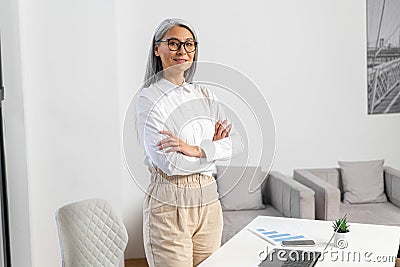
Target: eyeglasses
174, 45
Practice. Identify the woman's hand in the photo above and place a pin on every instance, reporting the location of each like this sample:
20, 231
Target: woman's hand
178, 145
221, 131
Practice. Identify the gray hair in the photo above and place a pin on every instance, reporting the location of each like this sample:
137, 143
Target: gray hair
154, 66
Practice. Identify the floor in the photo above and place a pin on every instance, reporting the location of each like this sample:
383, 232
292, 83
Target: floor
136, 263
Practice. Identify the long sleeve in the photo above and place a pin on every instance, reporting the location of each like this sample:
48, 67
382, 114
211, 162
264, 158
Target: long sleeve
190, 111
149, 122
225, 148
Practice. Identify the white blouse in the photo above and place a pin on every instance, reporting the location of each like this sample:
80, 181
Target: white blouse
190, 111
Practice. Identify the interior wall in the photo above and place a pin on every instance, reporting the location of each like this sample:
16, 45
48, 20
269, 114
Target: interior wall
308, 59
71, 112
14, 134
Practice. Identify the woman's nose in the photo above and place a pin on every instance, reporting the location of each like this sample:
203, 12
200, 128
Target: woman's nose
181, 50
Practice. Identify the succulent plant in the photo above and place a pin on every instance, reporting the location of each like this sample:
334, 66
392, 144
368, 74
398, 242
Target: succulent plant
341, 225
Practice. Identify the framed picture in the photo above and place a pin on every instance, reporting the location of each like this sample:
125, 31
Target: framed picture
383, 56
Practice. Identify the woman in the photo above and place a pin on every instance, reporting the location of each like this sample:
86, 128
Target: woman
183, 129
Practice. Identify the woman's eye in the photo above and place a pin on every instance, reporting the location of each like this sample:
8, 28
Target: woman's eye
173, 43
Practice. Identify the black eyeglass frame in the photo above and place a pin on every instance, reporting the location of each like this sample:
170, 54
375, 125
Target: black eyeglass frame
180, 44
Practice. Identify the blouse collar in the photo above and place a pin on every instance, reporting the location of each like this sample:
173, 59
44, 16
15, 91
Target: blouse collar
166, 86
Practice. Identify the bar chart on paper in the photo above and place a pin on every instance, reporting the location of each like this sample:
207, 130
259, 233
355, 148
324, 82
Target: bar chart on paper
276, 236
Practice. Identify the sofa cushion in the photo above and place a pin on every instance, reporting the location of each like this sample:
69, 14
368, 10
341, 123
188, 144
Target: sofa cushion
362, 182
239, 188
234, 221
374, 213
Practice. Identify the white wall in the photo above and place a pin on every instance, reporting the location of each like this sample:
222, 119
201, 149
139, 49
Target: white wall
14, 132
307, 57
71, 94
65, 109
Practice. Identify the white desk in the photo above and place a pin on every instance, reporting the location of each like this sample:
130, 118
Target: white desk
370, 242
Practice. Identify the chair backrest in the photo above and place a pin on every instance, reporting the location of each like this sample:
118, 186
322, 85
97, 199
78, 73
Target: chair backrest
90, 234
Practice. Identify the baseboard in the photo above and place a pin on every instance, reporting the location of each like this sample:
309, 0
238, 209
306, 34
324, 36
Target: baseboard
136, 263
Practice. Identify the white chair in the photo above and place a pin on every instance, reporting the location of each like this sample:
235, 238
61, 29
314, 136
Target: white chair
90, 234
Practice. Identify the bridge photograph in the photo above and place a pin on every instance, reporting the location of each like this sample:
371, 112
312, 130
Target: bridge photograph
383, 56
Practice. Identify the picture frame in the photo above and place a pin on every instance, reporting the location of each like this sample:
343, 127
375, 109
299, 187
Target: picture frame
383, 56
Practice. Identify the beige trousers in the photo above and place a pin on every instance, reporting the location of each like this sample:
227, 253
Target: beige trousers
182, 219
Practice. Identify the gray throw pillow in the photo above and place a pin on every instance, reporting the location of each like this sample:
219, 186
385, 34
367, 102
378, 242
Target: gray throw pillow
234, 184
363, 182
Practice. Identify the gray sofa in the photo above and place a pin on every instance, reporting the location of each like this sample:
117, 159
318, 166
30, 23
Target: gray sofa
278, 195
328, 187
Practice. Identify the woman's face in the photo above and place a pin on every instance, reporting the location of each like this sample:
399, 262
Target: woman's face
181, 59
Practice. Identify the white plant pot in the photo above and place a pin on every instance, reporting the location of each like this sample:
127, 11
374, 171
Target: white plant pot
341, 240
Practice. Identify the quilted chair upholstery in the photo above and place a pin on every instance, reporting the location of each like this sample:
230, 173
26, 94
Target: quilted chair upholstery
90, 234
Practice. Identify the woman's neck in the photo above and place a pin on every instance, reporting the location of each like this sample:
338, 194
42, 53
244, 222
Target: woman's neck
175, 79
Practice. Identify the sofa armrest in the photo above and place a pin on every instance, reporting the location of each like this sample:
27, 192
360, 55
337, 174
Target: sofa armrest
327, 197
289, 197
392, 185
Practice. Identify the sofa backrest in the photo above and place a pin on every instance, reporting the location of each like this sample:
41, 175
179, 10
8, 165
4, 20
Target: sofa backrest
239, 187
334, 178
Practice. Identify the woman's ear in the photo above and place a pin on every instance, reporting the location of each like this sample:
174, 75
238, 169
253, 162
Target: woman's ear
156, 51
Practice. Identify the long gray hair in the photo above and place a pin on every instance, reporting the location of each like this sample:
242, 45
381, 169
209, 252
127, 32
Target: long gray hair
154, 65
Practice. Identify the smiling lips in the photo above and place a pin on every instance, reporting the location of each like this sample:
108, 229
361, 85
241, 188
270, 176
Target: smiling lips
180, 60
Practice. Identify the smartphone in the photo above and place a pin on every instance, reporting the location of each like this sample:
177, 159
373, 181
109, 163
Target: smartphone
298, 243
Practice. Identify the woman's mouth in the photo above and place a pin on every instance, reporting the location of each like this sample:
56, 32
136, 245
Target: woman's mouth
180, 60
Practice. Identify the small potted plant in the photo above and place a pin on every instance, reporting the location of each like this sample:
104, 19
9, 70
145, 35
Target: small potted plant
341, 227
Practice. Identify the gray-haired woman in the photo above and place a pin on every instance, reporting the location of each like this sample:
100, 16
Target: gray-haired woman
183, 130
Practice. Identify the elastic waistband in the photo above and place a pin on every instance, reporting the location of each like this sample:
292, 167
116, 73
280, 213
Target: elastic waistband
158, 176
